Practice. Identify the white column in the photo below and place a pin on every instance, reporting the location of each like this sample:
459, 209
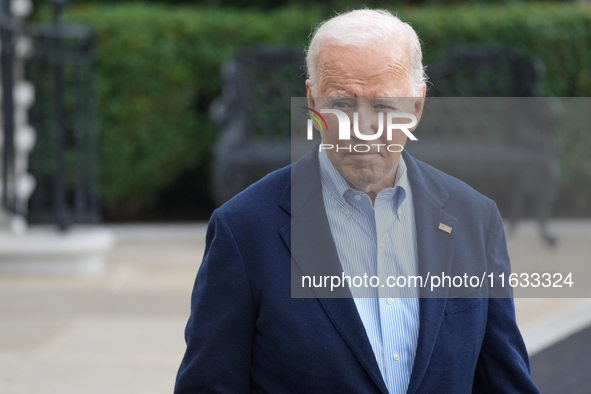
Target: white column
42, 249
24, 135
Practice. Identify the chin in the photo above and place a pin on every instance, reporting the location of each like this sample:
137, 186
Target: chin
362, 177
371, 166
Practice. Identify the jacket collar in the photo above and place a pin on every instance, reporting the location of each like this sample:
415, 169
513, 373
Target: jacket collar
307, 171
312, 247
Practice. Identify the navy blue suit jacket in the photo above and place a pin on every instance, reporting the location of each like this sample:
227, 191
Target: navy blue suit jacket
247, 335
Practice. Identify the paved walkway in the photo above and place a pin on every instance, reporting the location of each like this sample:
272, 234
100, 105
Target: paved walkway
122, 331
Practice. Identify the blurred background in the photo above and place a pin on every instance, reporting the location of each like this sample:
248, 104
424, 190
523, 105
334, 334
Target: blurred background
158, 72
115, 153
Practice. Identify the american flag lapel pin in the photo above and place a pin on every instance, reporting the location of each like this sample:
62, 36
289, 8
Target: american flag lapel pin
445, 227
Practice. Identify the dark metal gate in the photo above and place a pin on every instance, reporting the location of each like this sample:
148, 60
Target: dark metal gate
64, 116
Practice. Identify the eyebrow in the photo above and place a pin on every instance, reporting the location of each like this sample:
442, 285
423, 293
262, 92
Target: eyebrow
337, 97
374, 100
383, 99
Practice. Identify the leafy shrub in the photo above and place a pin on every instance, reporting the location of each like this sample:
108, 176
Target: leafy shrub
159, 70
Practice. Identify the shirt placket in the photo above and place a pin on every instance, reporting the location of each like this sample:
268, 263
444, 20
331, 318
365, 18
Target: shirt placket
391, 308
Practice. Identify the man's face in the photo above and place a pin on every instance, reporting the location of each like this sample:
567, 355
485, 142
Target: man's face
366, 80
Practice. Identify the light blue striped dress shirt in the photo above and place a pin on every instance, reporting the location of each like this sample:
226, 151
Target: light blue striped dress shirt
378, 241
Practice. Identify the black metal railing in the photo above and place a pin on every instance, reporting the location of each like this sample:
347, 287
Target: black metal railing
64, 116
7, 57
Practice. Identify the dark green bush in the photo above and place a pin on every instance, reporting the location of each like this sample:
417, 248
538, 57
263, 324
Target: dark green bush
327, 5
159, 70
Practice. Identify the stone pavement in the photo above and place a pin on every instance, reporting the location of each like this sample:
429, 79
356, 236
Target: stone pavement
122, 331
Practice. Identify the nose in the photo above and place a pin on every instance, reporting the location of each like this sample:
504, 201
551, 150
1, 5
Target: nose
368, 125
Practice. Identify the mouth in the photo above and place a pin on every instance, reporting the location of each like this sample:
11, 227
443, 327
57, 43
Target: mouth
361, 153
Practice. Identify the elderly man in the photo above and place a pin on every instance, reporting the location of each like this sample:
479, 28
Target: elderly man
344, 212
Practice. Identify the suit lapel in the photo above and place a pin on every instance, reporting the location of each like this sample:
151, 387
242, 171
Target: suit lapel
435, 250
313, 251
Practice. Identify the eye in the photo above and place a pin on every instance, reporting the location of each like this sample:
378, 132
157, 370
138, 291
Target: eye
342, 105
380, 107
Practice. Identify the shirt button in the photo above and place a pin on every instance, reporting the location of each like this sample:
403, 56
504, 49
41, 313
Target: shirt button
396, 357
347, 212
381, 245
357, 197
389, 301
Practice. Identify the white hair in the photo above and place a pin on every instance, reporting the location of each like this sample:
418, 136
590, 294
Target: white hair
363, 27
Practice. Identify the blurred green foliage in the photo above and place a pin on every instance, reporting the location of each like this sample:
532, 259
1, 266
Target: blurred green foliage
326, 5
159, 70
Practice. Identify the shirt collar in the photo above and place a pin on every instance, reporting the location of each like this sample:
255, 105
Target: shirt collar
338, 186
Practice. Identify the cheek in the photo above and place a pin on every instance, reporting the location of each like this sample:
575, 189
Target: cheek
332, 135
398, 137
333, 126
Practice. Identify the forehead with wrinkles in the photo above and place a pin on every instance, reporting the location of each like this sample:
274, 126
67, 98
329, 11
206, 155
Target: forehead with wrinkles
374, 70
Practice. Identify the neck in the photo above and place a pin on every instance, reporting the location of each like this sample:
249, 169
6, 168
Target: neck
373, 189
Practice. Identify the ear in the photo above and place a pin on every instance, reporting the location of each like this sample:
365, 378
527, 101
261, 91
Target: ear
311, 101
418, 107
